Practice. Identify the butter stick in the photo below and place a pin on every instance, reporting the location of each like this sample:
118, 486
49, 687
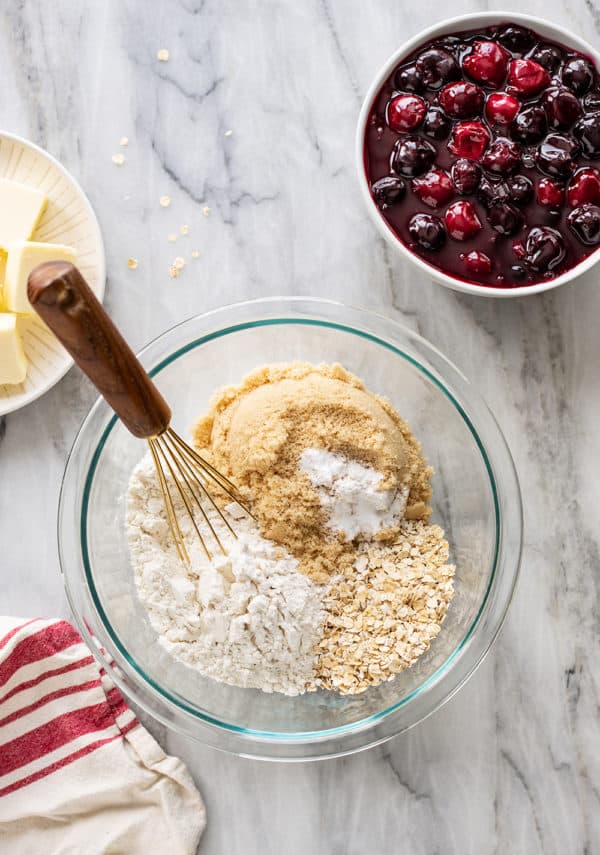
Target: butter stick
23, 256
3, 259
13, 364
20, 210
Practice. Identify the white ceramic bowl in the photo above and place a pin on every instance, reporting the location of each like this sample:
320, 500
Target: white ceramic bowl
68, 219
551, 31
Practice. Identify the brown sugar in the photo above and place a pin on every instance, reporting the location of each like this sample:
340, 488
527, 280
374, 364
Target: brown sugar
255, 434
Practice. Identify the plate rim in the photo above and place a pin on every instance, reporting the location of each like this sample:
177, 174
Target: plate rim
5, 404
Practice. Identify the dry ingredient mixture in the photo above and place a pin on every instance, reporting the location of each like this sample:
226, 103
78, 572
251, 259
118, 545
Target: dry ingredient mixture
341, 582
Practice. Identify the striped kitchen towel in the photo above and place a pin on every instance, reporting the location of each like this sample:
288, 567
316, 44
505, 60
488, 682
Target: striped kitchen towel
79, 775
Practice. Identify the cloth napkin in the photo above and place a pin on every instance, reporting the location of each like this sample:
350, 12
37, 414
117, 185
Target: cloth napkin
79, 775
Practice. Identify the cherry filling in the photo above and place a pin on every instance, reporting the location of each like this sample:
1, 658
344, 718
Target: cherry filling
483, 154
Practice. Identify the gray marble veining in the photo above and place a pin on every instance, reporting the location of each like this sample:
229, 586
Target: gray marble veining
512, 763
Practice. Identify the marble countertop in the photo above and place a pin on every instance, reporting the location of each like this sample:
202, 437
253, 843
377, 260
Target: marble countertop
512, 763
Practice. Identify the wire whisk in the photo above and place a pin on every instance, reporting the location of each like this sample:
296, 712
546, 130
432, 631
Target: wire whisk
190, 474
63, 299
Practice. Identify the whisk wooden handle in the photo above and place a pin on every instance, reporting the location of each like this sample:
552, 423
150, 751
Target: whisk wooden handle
63, 299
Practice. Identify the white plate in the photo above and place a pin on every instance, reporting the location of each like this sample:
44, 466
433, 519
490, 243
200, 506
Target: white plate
68, 219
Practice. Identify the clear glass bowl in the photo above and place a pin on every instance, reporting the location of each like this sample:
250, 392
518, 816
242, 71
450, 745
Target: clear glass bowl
476, 498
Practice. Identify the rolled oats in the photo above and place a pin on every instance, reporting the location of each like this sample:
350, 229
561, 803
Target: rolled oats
383, 617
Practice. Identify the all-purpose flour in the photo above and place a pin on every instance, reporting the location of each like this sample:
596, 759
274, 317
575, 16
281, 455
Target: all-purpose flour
249, 618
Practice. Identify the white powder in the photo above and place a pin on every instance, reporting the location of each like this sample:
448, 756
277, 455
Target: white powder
350, 494
250, 618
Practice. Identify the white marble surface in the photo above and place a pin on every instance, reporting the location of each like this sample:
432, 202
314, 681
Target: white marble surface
512, 763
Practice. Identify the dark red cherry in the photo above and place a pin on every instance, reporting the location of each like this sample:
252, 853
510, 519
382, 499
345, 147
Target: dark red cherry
436, 67
527, 77
520, 189
405, 112
587, 131
491, 192
502, 157
561, 106
584, 222
469, 139
462, 221
516, 39
500, 108
436, 124
412, 156
427, 231
452, 44
505, 218
462, 100
477, 263
584, 187
591, 102
549, 57
578, 74
550, 194
556, 156
487, 63
465, 175
408, 79
434, 189
529, 126
388, 190
544, 249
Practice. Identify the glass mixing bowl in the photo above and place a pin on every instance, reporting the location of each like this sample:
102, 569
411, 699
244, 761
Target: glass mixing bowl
476, 498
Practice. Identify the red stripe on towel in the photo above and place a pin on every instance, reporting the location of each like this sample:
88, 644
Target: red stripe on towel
53, 672
6, 638
53, 767
54, 734
115, 699
51, 696
49, 640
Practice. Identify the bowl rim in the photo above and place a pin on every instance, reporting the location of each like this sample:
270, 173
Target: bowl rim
124, 660
442, 28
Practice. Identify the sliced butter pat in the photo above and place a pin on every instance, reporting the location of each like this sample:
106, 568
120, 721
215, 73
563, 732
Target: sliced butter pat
23, 256
13, 365
20, 210
3, 257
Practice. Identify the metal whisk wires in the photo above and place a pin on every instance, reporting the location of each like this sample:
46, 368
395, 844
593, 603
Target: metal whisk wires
181, 468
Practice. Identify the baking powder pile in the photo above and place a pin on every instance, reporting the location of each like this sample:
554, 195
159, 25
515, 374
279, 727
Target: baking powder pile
351, 494
341, 583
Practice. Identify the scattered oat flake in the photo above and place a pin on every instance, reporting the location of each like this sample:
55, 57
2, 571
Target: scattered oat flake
228, 133
206, 211
185, 230
172, 237
124, 141
132, 263
195, 254
162, 55
119, 159
174, 271
164, 201
179, 263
